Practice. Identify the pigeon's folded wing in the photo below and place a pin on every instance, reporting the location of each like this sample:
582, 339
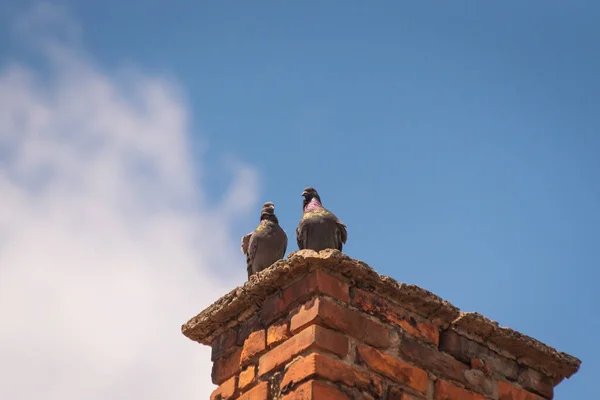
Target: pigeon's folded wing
342, 232
246, 242
301, 235
283, 245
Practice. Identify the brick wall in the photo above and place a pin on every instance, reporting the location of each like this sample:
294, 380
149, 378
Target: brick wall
328, 327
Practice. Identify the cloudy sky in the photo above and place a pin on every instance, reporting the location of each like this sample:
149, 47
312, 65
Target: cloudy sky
137, 140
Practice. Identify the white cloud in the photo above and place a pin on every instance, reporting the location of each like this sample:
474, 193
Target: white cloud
106, 243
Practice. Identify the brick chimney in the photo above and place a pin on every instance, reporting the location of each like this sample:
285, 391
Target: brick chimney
326, 326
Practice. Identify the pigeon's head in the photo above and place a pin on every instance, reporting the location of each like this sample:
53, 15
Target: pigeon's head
268, 212
268, 207
309, 194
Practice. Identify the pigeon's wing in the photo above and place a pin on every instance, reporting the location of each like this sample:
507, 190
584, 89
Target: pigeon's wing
252, 250
301, 232
246, 242
342, 234
284, 244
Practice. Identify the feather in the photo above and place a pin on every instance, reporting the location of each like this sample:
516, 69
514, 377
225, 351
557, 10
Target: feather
319, 228
266, 244
246, 243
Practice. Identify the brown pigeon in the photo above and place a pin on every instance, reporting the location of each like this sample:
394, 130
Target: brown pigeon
266, 244
319, 228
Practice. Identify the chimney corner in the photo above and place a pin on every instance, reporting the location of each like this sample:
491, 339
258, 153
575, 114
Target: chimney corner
326, 326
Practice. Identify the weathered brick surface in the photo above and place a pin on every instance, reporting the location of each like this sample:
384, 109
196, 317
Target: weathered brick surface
253, 324
465, 350
227, 366
316, 390
317, 282
259, 392
507, 391
247, 377
326, 312
277, 333
537, 382
445, 366
397, 393
299, 334
363, 396
327, 284
478, 381
226, 390
480, 364
432, 360
314, 336
223, 344
445, 390
394, 368
532, 352
319, 365
396, 315
255, 344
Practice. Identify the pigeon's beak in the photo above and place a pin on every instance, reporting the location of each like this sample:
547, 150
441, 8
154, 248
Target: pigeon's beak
304, 193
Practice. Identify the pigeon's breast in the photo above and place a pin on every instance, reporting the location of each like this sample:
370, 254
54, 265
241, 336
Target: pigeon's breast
316, 216
268, 228
320, 230
319, 220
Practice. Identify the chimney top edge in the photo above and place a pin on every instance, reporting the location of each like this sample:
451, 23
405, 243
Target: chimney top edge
240, 304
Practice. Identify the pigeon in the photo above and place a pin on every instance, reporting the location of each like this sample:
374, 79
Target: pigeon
319, 228
266, 244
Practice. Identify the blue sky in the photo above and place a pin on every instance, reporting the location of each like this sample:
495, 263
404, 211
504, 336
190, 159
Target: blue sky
458, 141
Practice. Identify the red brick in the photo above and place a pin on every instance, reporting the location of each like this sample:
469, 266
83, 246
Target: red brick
260, 392
394, 368
394, 314
478, 382
316, 390
396, 393
432, 360
445, 390
445, 366
312, 337
247, 377
223, 344
255, 344
537, 382
507, 391
407, 396
317, 282
319, 365
226, 390
278, 333
465, 350
227, 366
480, 364
253, 324
365, 396
329, 285
323, 311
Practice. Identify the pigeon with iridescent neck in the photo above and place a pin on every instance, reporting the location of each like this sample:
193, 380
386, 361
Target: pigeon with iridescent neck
266, 244
319, 228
